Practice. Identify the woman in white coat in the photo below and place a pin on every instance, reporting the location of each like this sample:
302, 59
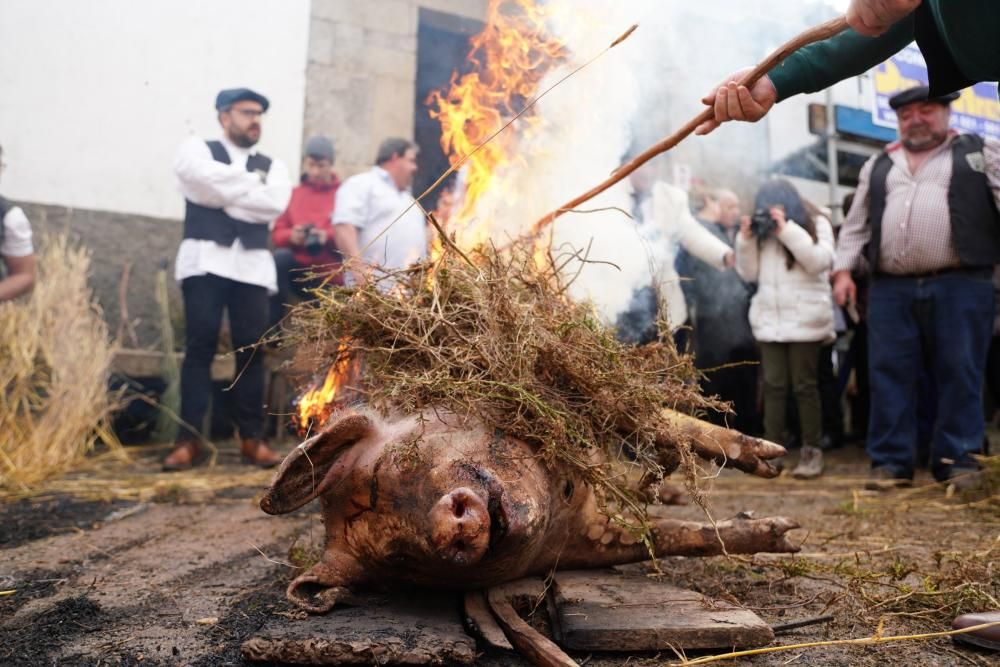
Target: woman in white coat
792, 312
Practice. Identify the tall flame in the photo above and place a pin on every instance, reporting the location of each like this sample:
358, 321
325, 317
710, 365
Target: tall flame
510, 57
317, 404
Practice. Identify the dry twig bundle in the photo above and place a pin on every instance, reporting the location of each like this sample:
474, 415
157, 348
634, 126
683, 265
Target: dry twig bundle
492, 336
54, 363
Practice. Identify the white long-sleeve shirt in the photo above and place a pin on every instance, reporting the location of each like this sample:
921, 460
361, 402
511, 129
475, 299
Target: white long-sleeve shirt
16, 234
243, 196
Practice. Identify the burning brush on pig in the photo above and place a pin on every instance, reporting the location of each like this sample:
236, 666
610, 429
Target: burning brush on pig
505, 431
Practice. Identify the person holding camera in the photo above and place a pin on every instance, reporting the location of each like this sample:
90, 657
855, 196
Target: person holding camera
305, 253
789, 253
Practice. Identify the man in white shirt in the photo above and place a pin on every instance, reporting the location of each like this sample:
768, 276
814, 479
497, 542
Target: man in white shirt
376, 223
233, 194
17, 256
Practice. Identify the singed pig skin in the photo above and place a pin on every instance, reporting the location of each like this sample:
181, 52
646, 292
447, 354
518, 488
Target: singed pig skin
440, 501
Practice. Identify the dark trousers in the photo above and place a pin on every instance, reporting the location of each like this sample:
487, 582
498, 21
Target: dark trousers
857, 360
993, 371
205, 298
733, 378
941, 325
293, 280
795, 364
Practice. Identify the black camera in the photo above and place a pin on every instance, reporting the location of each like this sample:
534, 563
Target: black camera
761, 223
313, 244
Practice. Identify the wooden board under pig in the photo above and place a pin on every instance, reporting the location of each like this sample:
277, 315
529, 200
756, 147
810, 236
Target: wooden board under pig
610, 610
422, 629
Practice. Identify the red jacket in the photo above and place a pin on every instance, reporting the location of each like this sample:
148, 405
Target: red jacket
311, 204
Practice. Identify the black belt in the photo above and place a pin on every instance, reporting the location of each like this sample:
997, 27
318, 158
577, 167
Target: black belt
970, 271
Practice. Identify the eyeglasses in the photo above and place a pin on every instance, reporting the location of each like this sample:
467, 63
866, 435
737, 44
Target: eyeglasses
248, 113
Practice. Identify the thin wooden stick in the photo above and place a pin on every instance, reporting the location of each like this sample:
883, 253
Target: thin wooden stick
817, 34
866, 641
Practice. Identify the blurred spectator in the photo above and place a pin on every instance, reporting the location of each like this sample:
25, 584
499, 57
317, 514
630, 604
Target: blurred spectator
664, 221
925, 218
233, 193
719, 303
788, 253
377, 225
17, 256
305, 251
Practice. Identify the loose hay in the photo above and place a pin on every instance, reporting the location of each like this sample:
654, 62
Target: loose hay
54, 363
489, 335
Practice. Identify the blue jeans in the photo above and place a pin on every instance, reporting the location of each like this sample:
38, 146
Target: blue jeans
943, 325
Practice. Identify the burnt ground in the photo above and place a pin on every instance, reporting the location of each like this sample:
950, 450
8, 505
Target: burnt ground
168, 577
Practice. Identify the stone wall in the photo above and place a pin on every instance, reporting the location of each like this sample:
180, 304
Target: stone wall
114, 239
362, 69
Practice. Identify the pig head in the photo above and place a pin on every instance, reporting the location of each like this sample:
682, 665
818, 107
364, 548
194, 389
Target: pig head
439, 500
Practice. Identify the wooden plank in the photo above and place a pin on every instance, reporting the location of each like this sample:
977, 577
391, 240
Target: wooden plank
421, 629
613, 611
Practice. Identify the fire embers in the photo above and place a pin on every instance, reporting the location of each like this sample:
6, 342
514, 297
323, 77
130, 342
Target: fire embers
338, 388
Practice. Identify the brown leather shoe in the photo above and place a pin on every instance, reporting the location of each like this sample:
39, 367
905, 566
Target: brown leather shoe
257, 452
988, 638
185, 455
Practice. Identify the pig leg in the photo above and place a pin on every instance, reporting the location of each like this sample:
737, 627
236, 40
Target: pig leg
602, 543
740, 535
721, 445
325, 584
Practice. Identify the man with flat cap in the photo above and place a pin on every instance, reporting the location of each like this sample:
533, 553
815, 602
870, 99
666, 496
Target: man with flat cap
304, 249
925, 223
233, 194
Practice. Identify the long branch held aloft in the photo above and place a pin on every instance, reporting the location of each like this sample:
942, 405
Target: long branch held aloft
817, 34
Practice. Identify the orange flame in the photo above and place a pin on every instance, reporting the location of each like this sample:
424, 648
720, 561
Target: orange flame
317, 404
510, 56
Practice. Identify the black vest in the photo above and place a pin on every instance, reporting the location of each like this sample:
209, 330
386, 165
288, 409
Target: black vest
975, 222
214, 224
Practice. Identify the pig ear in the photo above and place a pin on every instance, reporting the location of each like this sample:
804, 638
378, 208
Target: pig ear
303, 474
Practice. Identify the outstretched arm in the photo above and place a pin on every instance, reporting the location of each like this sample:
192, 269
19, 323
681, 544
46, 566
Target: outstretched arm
810, 69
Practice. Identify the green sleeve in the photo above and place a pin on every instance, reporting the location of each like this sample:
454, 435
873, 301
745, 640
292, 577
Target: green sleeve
819, 66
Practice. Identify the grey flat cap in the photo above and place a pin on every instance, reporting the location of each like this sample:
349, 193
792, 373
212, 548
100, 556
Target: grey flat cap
319, 148
230, 96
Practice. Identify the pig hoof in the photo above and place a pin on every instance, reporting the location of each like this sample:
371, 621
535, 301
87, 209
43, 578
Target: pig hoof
460, 524
310, 594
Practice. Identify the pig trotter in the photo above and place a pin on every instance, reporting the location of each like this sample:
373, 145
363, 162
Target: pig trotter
723, 446
320, 602
322, 587
740, 535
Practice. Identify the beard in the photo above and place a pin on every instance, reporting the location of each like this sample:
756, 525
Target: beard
921, 138
245, 139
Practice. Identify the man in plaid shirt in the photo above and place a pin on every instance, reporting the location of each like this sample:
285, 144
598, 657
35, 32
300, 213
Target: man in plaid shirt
925, 222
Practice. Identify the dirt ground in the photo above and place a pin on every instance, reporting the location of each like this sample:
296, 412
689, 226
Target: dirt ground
181, 571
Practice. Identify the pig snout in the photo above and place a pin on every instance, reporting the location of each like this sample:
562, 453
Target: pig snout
460, 527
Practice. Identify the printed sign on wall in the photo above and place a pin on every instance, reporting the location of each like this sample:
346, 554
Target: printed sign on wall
977, 110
